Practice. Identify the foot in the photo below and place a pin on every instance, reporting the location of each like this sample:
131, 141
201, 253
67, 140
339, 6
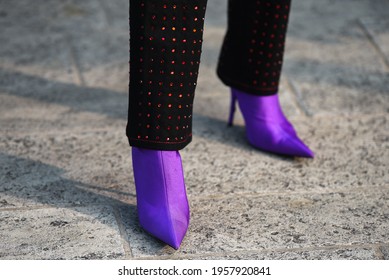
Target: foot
162, 203
267, 128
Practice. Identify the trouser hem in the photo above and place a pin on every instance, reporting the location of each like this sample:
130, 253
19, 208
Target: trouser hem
156, 145
259, 91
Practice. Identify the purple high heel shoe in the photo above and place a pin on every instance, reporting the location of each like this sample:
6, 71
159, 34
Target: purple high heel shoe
266, 125
163, 207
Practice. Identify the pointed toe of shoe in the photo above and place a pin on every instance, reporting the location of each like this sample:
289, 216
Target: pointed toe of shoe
293, 146
165, 228
177, 237
276, 139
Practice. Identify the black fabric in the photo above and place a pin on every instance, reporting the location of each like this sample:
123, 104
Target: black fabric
253, 48
165, 49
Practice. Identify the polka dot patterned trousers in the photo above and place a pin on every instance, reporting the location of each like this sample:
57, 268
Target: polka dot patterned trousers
165, 47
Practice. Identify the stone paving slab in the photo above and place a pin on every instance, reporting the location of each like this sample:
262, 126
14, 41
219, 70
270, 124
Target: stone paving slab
21, 17
335, 254
337, 60
31, 55
60, 233
274, 222
117, 14
377, 28
351, 154
293, 221
344, 76
216, 14
102, 58
310, 18
385, 252
25, 115
57, 169
61, 193
42, 16
31, 103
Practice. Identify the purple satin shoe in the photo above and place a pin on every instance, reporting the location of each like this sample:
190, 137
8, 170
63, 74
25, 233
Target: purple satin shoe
163, 207
266, 126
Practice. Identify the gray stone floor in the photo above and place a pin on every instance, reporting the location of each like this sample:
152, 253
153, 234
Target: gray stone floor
66, 185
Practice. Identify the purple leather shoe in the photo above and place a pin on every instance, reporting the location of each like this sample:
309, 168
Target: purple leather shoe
266, 125
163, 207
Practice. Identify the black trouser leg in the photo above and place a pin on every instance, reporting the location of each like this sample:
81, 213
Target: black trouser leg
252, 52
165, 48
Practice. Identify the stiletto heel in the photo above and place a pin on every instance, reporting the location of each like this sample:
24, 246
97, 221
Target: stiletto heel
162, 204
232, 109
267, 128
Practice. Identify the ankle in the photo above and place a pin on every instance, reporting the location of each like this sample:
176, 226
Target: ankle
267, 107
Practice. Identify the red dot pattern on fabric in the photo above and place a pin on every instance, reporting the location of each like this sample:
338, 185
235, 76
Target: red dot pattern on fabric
251, 58
163, 73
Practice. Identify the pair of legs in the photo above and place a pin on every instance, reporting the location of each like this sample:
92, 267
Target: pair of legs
165, 48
